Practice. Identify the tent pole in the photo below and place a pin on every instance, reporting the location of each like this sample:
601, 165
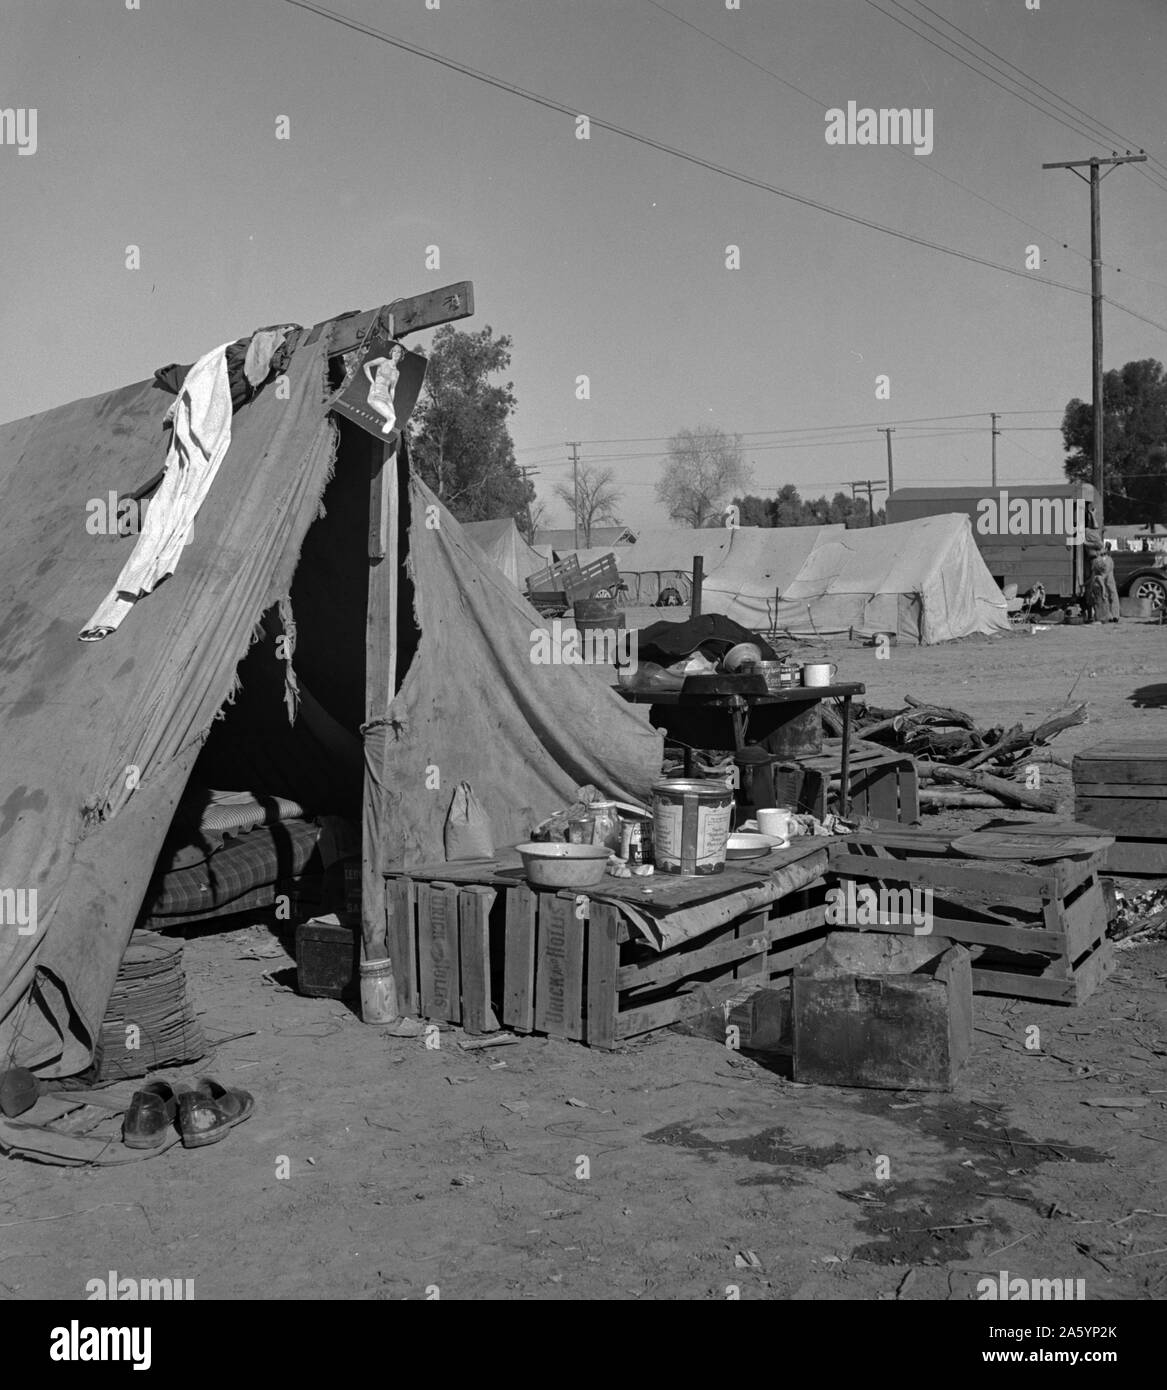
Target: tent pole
698, 583
380, 668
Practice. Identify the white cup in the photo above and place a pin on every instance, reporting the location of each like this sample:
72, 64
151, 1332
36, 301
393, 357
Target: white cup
777, 821
819, 673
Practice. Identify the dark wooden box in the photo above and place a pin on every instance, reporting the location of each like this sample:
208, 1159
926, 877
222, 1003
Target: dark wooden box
1121, 787
883, 1011
328, 958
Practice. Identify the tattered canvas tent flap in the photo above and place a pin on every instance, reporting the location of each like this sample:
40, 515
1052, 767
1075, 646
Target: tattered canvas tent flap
98, 739
501, 543
473, 707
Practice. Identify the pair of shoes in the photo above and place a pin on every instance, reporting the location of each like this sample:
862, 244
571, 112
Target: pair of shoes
204, 1113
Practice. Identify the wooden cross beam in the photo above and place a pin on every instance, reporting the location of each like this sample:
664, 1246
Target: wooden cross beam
445, 305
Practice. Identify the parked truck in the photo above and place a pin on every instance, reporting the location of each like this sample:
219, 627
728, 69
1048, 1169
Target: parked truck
1032, 534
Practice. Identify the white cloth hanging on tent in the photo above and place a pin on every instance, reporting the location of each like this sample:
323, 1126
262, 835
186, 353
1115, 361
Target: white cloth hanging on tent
200, 437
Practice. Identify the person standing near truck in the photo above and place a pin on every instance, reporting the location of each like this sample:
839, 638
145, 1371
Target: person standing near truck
1102, 592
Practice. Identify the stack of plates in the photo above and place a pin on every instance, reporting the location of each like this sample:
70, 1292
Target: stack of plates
149, 1022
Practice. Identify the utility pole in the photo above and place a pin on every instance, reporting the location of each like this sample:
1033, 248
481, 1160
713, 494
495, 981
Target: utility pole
871, 487
994, 416
574, 447
1095, 182
534, 472
888, 430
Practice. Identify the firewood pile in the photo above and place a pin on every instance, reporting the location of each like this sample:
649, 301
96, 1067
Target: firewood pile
962, 764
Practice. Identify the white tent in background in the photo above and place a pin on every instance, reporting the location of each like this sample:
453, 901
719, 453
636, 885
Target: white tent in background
504, 546
923, 580
920, 579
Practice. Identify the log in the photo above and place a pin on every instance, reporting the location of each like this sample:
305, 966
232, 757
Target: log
945, 715
1007, 791
1019, 738
943, 797
832, 721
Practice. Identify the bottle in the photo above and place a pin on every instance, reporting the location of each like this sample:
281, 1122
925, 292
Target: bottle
605, 824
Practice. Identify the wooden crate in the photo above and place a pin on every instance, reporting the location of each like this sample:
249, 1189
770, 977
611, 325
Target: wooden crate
884, 784
1121, 787
502, 954
1038, 931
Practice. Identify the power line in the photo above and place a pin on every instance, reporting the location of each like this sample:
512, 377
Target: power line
1102, 126
688, 158
928, 164
1072, 123
812, 429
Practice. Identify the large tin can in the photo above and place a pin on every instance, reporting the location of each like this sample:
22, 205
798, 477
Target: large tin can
690, 825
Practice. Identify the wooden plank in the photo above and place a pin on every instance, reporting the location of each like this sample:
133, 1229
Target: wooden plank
1075, 990
786, 956
518, 1000
474, 906
986, 881
1124, 790
685, 964
573, 976
786, 924
909, 794
552, 1009
1023, 940
748, 931
636, 1021
445, 305
1137, 857
402, 940
1084, 921
1122, 760
438, 956
883, 794
1139, 818
603, 968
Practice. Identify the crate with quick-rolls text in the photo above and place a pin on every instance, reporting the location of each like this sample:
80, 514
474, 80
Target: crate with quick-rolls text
475, 944
1121, 787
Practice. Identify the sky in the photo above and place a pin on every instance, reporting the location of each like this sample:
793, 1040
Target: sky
602, 258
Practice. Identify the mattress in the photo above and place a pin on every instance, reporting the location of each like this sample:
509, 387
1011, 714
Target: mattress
233, 877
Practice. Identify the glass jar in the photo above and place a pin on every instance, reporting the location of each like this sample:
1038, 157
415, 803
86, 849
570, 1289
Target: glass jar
605, 824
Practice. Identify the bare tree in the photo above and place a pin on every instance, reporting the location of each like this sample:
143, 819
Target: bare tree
531, 520
597, 499
705, 469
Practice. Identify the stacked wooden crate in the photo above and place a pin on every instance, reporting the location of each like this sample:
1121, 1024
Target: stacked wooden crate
475, 945
884, 784
1038, 929
1121, 788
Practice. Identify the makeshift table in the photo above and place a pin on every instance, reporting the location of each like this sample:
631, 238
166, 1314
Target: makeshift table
797, 699
1038, 929
473, 943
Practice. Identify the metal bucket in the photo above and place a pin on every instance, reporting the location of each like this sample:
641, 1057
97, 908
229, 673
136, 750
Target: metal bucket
690, 825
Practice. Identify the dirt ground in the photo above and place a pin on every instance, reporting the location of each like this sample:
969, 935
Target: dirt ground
414, 1169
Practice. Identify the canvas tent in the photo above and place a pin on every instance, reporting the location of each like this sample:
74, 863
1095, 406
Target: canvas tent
923, 580
427, 667
744, 559
502, 544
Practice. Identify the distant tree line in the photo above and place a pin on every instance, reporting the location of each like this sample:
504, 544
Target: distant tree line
789, 509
